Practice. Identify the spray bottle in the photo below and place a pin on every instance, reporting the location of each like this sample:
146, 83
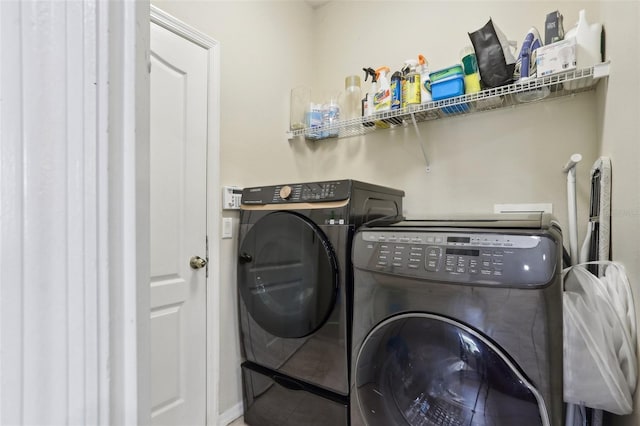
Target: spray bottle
425, 80
382, 99
367, 101
403, 88
412, 84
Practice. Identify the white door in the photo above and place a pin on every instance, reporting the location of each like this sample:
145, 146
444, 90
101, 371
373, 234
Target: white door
178, 229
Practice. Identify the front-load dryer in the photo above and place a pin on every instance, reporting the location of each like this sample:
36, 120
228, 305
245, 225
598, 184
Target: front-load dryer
295, 287
458, 322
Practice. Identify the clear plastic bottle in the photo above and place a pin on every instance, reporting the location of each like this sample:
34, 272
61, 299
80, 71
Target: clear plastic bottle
330, 117
351, 98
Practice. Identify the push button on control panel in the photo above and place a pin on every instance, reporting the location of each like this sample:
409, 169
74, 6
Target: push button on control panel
383, 255
432, 259
416, 254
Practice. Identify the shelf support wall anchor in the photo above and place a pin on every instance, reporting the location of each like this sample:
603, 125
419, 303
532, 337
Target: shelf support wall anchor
420, 142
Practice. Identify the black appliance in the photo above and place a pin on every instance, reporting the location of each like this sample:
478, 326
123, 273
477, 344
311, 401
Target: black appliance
295, 291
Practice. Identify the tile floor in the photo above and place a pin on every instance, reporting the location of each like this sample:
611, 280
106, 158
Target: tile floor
238, 422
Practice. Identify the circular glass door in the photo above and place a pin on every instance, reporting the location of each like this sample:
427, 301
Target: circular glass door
287, 275
421, 369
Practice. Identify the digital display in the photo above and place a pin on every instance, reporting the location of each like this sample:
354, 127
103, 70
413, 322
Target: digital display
463, 252
458, 239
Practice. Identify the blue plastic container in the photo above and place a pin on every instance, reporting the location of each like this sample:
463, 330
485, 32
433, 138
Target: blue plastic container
448, 87
449, 83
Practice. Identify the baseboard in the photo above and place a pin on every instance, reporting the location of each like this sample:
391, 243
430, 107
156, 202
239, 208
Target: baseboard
231, 414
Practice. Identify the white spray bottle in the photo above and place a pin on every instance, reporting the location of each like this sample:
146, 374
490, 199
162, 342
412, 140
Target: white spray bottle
425, 80
367, 102
382, 98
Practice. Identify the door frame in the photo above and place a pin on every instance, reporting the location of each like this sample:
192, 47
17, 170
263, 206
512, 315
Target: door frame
87, 333
212, 281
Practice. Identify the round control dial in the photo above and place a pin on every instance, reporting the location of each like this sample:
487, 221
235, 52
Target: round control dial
285, 192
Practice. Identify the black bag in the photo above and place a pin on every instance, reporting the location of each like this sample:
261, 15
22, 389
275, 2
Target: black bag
495, 64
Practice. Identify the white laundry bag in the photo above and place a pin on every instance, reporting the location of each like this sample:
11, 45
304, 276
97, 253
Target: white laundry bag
600, 362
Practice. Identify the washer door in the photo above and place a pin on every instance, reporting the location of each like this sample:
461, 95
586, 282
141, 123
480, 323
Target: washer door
422, 369
287, 275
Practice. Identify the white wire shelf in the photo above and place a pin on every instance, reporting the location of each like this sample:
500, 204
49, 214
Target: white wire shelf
533, 90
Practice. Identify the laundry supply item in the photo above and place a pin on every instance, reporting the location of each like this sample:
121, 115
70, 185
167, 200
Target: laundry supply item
596, 246
600, 360
382, 97
447, 82
396, 90
470, 69
556, 57
589, 41
425, 81
367, 101
526, 62
412, 91
553, 28
526, 67
597, 242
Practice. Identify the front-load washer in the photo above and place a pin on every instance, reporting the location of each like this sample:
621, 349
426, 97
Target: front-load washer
458, 322
295, 288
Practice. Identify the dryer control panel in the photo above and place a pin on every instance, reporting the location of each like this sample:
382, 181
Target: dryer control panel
489, 258
312, 192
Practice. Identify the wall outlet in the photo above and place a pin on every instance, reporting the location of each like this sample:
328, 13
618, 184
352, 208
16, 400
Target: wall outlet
231, 197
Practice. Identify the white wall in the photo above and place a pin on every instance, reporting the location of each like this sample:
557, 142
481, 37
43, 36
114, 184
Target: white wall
509, 156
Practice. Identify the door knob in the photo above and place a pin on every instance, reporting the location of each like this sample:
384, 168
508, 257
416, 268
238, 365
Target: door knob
197, 262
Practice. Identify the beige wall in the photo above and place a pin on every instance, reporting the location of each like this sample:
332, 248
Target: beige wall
620, 138
514, 155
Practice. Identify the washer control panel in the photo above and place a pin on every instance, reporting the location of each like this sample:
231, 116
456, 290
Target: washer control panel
491, 258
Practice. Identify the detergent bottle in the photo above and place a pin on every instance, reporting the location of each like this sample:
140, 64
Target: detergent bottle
396, 90
588, 41
382, 98
403, 85
469, 64
425, 81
